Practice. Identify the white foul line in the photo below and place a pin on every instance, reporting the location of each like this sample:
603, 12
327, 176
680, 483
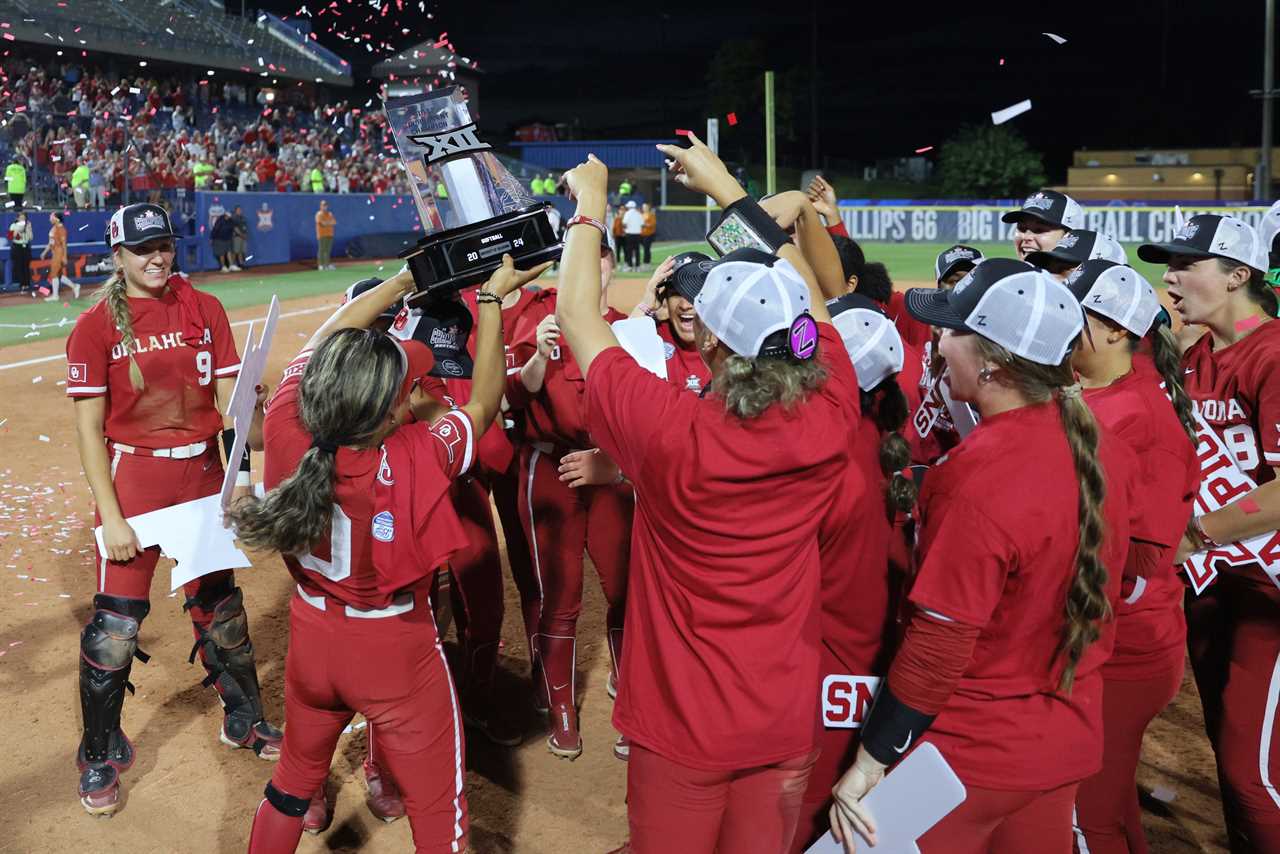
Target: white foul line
54, 358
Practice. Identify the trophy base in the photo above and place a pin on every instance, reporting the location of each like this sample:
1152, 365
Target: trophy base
462, 257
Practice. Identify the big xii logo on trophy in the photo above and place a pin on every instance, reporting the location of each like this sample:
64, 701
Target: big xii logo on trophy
473, 211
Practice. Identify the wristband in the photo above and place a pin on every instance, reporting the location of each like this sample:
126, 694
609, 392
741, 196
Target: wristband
581, 219
228, 443
242, 479
892, 727
1206, 541
744, 224
486, 297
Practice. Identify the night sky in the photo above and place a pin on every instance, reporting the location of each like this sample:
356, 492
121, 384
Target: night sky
893, 76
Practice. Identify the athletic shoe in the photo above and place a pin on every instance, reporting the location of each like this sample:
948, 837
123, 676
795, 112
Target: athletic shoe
320, 267
233, 268
382, 797
262, 738
564, 741
333, 266
51, 298
99, 789
75, 289
622, 748
225, 270
318, 815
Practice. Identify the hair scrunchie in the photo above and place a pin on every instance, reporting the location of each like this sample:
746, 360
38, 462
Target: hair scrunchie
1071, 392
324, 445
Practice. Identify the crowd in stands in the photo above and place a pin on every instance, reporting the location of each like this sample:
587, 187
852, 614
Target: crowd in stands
87, 131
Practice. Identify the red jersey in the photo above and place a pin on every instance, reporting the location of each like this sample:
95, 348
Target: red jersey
853, 548
913, 332
1236, 390
998, 536
723, 620
685, 368
177, 405
393, 519
1151, 628
557, 413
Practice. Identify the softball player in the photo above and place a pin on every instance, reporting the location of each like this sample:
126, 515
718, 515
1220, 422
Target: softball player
560, 519
671, 292
999, 667
1044, 219
57, 248
148, 367
1215, 275
854, 544
1145, 670
1073, 250
721, 623
358, 506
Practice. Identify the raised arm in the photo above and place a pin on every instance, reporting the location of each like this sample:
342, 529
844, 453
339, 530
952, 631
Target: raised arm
813, 239
364, 309
489, 377
578, 297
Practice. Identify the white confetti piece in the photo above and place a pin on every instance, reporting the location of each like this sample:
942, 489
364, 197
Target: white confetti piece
1163, 795
1057, 38
43, 438
35, 380
64, 595
999, 117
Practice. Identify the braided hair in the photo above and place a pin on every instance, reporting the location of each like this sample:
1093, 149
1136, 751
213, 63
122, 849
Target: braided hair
114, 295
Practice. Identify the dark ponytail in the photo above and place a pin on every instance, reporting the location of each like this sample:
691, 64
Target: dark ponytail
1164, 351
1087, 602
887, 407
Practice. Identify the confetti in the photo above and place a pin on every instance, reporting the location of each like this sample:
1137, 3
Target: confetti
43, 438
35, 380
1057, 38
683, 132
1163, 795
923, 150
999, 117
733, 119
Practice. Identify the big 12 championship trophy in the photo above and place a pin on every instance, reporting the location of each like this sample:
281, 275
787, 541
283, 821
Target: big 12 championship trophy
473, 211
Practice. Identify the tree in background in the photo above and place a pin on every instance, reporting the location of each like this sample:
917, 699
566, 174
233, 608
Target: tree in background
989, 162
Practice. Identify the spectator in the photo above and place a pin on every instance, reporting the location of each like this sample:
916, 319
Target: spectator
220, 235
316, 177
325, 223
202, 173
80, 185
97, 186
632, 227
15, 178
20, 238
239, 239
248, 180
647, 233
624, 189
536, 186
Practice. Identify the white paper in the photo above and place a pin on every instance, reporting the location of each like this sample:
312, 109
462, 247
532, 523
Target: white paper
639, 337
999, 117
1057, 38
912, 798
1178, 219
244, 396
190, 533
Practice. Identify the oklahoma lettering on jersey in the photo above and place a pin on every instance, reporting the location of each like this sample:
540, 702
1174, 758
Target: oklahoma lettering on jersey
177, 405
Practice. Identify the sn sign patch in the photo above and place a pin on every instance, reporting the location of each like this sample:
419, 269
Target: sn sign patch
384, 527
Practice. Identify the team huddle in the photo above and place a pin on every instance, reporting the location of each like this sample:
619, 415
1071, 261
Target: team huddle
991, 506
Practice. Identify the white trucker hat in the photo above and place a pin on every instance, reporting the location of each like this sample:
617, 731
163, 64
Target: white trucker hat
749, 295
1209, 236
1079, 246
1049, 206
1116, 292
873, 342
1025, 310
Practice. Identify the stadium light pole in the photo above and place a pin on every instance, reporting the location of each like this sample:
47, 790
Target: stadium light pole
770, 152
1262, 178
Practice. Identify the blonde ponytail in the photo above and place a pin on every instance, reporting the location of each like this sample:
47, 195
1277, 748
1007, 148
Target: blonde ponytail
113, 294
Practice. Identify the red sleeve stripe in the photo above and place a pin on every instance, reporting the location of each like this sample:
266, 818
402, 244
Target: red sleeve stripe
86, 390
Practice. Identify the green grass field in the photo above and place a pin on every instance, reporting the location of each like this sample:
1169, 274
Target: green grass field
907, 262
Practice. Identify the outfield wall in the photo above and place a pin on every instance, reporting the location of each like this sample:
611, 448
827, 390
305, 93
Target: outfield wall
950, 222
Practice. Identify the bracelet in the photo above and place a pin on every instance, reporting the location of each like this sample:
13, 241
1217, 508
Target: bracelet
582, 219
650, 313
1207, 541
487, 297
242, 479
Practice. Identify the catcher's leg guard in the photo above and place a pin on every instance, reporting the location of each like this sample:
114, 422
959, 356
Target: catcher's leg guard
108, 645
277, 824
558, 661
227, 655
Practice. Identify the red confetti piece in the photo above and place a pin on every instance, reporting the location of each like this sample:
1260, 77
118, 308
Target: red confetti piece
1002, 60
1248, 505
733, 119
1248, 323
923, 150
683, 132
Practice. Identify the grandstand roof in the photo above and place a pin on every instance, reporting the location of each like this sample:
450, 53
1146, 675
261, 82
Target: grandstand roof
183, 31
